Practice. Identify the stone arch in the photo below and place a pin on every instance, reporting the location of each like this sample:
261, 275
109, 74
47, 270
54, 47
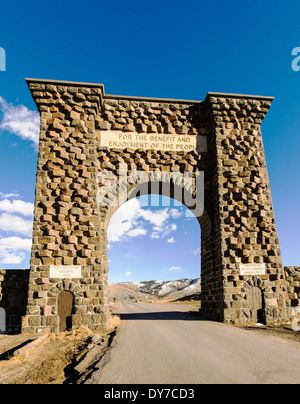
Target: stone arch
258, 282
113, 192
80, 138
68, 286
117, 192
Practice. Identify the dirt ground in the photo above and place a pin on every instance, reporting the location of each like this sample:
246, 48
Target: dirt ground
283, 332
54, 360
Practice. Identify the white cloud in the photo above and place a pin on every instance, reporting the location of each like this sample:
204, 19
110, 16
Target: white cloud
171, 240
15, 224
123, 220
11, 249
14, 250
131, 218
20, 121
197, 251
176, 213
13, 258
137, 232
15, 243
156, 218
125, 223
11, 195
175, 268
173, 226
128, 273
164, 231
17, 206
117, 230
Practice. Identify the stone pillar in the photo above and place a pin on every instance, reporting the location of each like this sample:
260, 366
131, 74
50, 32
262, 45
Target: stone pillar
245, 222
66, 228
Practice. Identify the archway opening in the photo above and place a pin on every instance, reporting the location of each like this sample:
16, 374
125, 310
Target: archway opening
65, 310
154, 241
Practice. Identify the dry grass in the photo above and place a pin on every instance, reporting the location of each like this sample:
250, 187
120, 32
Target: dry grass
113, 323
81, 333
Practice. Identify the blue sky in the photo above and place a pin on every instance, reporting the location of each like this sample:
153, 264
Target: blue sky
165, 48
147, 242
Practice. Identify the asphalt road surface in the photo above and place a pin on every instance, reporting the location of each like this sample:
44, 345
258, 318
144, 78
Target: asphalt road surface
158, 344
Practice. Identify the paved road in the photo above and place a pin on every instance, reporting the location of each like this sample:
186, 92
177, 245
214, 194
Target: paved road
160, 344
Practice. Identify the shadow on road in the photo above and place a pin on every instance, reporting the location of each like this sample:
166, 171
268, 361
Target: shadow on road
168, 315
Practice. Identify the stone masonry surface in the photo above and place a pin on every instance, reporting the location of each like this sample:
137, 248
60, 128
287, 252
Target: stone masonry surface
293, 280
70, 220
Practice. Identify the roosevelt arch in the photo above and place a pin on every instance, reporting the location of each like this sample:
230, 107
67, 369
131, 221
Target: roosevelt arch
79, 132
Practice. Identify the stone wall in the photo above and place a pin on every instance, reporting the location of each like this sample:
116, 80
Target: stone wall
13, 297
293, 279
70, 219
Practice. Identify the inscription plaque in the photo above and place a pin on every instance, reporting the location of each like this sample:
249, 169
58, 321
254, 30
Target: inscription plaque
252, 269
65, 271
156, 141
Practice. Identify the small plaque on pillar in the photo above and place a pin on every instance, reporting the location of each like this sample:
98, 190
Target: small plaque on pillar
66, 271
252, 269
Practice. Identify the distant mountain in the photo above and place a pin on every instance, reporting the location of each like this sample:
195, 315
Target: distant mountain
154, 290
